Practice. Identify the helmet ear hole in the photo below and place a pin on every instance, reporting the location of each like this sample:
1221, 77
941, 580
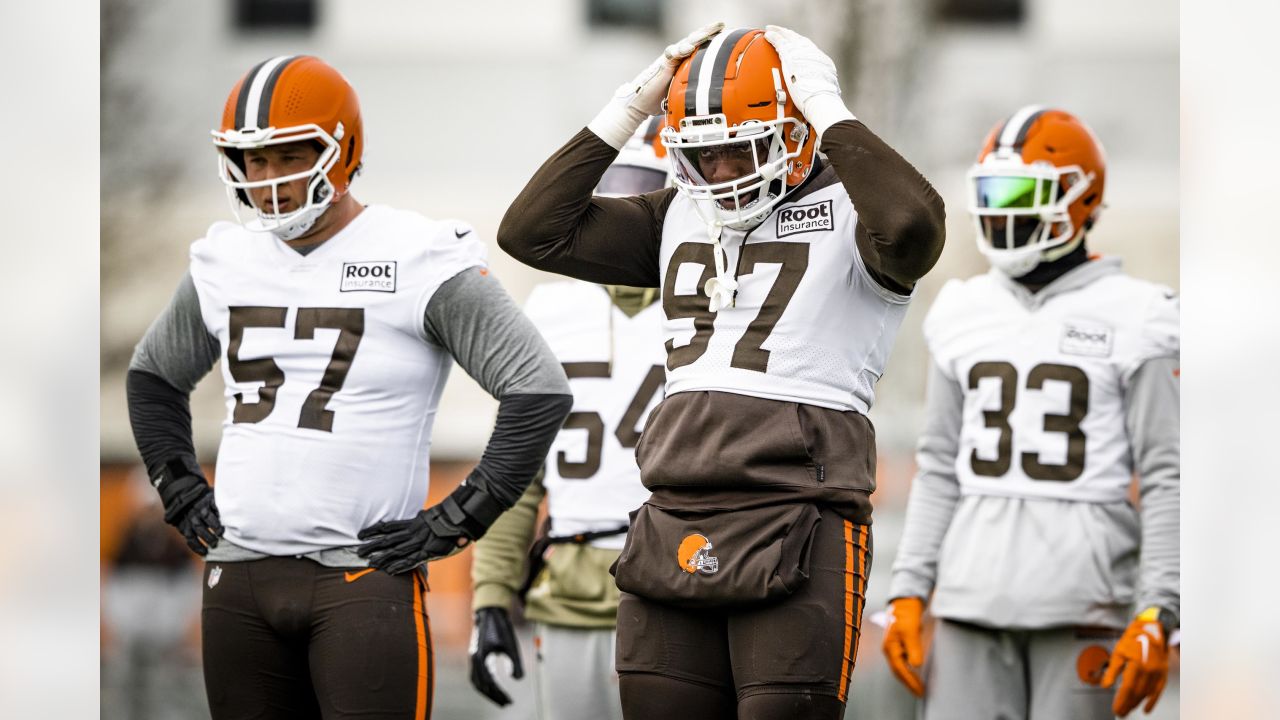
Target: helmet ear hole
320, 193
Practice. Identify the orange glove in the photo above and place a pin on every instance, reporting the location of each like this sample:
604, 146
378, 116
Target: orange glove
1141, 661
902, 644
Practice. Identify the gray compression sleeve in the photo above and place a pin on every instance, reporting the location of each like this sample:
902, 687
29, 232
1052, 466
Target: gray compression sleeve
934, 492
1151, 418
178, 347
474, 318
476, 321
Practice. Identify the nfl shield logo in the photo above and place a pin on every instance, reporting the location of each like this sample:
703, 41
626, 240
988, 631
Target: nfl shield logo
215, 575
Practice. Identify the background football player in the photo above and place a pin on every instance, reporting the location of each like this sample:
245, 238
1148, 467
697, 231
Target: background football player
336, 324
784, 280
609, 340
1054, 379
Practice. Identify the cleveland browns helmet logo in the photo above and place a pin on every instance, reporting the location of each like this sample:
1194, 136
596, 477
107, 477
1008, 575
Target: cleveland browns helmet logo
694, 555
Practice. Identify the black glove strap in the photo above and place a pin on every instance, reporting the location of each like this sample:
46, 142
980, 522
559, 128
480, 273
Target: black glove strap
470, 510
180, 484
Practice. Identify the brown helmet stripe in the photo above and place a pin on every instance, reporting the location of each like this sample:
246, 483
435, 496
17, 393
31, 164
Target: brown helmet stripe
1013, 134
715, 96
264, 105
1026, 127
243, 98
691, 89
253, 106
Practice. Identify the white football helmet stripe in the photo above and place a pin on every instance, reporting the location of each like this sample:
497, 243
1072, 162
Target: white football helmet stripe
255, 89
708, 68
1013, 128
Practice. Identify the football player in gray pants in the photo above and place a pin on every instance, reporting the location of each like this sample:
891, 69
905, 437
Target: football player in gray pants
1054, 380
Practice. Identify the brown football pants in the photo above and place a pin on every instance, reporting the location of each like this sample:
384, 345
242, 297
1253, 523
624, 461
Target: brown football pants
784, 660
289, 638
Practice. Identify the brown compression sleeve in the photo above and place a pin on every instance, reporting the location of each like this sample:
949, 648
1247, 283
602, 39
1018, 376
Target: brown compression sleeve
555, 224
901, 219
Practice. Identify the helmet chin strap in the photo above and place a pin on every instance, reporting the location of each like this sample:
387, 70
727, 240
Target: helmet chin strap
764, 195
1017, 262
301, 225
1020, 265
1063, 250
1049, 270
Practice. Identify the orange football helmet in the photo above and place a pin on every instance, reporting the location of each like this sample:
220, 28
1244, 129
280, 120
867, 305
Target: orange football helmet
1036, 188
694, 556
287, 99
641, 165
729, 96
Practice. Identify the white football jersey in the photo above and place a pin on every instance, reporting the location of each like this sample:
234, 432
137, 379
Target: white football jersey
615, 367
809, 324
331, 386
1044, 386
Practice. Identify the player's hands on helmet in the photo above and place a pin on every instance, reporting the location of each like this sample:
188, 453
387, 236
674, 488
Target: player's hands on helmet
810, 77
492, 637
1141, 661
189, 507
902, 643
635, 101
648, 88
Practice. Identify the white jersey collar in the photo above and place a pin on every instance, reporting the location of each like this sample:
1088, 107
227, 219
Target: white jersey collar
1073, 279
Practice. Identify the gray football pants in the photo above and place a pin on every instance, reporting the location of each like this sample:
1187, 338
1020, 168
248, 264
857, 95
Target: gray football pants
977, 673
574, 677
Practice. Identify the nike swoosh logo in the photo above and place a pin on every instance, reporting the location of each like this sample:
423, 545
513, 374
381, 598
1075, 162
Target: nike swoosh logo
354, 576
460, 234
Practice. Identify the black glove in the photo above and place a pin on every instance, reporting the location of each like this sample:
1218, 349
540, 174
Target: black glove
188, 504
398, 546
493, 634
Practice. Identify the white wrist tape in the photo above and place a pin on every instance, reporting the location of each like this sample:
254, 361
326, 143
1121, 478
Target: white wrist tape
616, 123
824, 110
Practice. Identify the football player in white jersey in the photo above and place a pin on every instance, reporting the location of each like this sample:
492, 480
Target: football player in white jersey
784, 276
609, 340
336, 324
1054, 380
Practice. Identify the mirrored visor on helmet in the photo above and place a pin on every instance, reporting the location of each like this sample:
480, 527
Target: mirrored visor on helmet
1011, 191
624, 180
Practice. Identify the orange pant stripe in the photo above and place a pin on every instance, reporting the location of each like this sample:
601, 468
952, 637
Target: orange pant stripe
845, 667
422, 706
